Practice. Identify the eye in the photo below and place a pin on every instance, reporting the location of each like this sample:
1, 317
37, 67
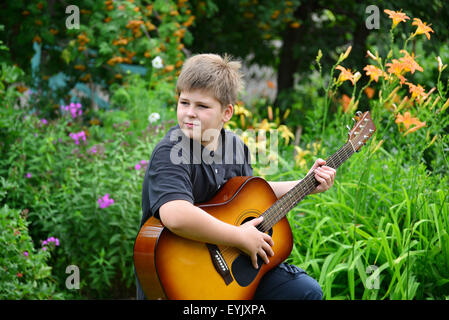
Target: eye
203, 106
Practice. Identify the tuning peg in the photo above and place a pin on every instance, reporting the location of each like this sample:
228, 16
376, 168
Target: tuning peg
359, 113
353, 119
348, 127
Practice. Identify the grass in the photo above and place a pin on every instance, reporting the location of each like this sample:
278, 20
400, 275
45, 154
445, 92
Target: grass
375, 235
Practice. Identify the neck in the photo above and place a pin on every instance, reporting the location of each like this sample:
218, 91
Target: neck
214, 140
282, 206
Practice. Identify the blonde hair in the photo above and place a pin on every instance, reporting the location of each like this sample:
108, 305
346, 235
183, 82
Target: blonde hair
219, 75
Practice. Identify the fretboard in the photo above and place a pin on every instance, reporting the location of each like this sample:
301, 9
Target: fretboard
282, 206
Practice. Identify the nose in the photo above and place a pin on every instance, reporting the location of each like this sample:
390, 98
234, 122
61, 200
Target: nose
191, 112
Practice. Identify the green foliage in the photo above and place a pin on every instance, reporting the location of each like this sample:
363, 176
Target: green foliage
61, 183
24, 269
381, 231
111, 38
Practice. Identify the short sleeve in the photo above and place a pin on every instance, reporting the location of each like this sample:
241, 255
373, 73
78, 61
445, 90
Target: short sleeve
164, 181
247, 169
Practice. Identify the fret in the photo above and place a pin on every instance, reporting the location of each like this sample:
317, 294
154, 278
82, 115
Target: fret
282, 206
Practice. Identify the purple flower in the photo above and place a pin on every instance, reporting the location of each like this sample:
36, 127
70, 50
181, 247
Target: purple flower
44, 121
140, 164
26, 254
28, 175
105, 201
77, 136
74, 109
92, 150
50, 241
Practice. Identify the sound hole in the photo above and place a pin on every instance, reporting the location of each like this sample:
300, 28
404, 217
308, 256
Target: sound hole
242, 268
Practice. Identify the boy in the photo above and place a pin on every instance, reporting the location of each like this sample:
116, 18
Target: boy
178, 177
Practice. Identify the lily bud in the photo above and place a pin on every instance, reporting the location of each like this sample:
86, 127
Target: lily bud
346, 54
357, 76
372, 56
441, 67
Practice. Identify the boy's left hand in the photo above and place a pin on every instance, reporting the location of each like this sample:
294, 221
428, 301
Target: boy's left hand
325, 175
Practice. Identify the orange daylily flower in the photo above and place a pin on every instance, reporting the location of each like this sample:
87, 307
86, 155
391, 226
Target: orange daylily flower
134, 24
418, 126
21, 89
120, 42
422, 28
396, 16
374, 72
416, 90
397, 68
409, 62
114, 60
79, 67
345, 102
408, 120
405, 64
295, 25
37, 39
345, 74
369, 92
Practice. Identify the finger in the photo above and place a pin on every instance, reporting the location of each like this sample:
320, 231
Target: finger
321, 180
254, 260
329, 170
257, 220
268, 250
268, 239
263, 255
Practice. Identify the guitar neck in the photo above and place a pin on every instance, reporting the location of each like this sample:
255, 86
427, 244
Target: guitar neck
282, 206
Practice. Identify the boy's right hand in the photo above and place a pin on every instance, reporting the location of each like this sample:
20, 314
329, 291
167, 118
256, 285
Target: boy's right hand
255, 242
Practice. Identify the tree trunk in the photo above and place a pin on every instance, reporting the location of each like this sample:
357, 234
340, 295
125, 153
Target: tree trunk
289, 62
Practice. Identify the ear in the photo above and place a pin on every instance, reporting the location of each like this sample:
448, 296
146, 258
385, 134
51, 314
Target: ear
228, 112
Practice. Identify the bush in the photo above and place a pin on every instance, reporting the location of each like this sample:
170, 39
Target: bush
83, 184
24, 271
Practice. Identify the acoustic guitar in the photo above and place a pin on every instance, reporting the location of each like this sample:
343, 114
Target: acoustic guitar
172, 267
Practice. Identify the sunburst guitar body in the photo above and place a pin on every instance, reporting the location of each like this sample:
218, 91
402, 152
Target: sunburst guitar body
169, 266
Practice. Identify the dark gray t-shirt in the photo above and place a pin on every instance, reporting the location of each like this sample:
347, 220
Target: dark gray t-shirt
182, 169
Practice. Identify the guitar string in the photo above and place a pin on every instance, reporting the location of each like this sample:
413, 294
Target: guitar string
272, 218
292, 200
297, 195
347, 150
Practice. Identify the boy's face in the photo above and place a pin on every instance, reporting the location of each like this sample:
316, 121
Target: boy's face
201, 116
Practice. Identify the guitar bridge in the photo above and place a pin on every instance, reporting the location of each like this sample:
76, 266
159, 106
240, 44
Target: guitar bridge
219, 263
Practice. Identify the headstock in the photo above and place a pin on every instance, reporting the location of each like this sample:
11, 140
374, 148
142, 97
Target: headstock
362, 130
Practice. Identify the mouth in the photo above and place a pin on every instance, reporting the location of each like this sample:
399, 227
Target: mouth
190, 124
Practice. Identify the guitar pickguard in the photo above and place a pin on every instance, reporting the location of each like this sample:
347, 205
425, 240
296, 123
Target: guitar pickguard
243, 270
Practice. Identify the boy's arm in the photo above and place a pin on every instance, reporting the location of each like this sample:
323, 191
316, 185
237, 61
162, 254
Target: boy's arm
188, 221
324, 174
